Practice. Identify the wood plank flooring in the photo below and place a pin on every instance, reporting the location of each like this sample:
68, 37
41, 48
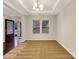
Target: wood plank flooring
49, 49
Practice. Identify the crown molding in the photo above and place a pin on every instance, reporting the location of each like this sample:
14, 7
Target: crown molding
22, 4
55, 5
9, 5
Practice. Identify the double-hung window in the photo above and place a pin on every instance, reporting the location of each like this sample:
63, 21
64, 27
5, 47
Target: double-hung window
44, 24
36, 26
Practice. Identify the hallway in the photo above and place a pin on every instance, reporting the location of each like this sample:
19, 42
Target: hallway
41, 49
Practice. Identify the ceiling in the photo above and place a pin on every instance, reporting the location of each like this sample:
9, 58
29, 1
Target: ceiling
24, 7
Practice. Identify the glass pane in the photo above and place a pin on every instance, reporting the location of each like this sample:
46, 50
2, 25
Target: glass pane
45, 23
45, 26
36, 23
36, 26
45, 29
9, 27
36, 30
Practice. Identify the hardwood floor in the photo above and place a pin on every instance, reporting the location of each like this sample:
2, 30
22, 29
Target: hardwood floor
49, 49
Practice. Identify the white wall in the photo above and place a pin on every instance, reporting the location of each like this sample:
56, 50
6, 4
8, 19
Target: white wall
27, 27
66, 28
4, 29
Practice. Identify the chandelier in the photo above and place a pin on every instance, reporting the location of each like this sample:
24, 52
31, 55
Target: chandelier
37, 6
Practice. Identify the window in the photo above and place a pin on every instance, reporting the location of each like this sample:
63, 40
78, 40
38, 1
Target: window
45, 26
36, 26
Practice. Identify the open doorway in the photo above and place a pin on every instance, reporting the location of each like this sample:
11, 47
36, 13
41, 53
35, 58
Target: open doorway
17, 33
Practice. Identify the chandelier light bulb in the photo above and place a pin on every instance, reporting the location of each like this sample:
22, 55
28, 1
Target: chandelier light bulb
35, 4
34, 8
41, 6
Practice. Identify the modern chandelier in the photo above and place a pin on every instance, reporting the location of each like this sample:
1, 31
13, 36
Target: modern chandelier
37, 6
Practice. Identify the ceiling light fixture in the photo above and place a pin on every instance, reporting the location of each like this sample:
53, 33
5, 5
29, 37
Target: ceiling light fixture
37, 6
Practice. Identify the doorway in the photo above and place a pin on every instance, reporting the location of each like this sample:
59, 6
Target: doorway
9, 35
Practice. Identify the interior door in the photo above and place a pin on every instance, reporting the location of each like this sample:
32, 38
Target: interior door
9, 34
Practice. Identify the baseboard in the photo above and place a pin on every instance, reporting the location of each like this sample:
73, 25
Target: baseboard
40, 39
67, 49
23, 41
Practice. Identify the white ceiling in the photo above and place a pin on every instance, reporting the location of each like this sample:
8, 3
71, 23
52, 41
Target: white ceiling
24, 7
